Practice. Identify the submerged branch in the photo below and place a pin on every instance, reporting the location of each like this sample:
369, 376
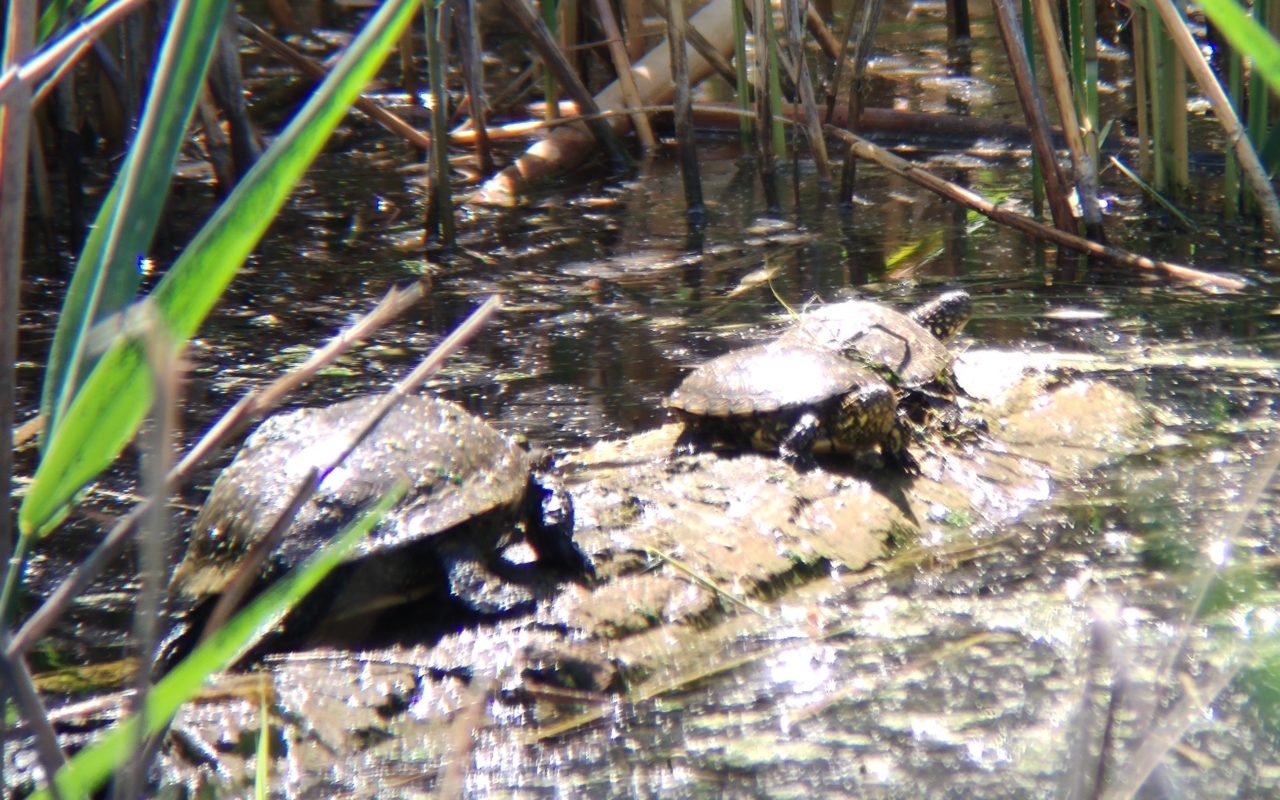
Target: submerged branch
959, 194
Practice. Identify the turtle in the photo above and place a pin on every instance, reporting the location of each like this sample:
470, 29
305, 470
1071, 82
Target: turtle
793, 398
909, 348
471, 488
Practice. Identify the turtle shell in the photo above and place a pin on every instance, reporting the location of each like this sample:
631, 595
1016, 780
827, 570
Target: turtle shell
768, 378
458, 468
903, 344
792, 399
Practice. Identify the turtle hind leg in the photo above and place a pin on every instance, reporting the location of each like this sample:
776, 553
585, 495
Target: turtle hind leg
796, 445
893, 448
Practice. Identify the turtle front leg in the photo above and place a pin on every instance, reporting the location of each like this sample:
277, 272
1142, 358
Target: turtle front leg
796, 445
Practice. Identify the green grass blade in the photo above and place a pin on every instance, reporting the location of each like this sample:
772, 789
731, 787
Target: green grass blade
1247, 37
91, 767
113, 400
106, 277
59, 10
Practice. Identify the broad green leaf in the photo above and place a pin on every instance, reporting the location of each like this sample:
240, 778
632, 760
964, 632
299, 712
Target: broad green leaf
106, 277
113, 400
88, 769
1247, 37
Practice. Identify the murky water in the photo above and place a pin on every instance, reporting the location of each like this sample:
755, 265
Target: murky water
610, 298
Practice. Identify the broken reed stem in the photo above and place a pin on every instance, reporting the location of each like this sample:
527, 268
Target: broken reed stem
1142, 90
766, 79
473, 74
554, 59
827, 42
1033, 110
705, 49
439, 221
812, 121
1085, 171
1252, 167
742, 86
959, 194
863, 37
316, 70
683, 103
626, 79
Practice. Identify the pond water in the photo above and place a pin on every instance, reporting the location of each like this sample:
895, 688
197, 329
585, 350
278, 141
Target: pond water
610, 298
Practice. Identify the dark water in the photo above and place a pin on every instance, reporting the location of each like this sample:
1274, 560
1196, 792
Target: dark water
610, 298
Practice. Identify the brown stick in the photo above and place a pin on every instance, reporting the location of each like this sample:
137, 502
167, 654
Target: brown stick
808, 102
1033, 110
309, 66
1086, 172
718, 62
553, 57
821, 33
690, 174
921, 177
626, 80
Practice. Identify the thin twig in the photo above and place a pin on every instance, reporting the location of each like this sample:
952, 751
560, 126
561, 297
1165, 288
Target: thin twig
551, 55
313, 68
17, 682
982, 205
812, 122
690, 174
705, 49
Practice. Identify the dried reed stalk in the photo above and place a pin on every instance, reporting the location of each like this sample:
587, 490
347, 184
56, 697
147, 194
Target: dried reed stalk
1085, 170
1223, 110
921, 177
1037, 121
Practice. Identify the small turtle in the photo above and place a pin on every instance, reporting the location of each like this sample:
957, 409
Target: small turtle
910, 347
468, 487
795, 399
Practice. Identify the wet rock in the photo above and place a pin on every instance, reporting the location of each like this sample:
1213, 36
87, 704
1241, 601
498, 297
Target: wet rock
706, 563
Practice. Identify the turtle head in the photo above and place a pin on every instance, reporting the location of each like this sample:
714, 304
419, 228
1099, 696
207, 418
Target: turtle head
946, 314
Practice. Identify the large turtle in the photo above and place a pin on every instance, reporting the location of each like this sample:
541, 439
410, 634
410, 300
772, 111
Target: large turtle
910, 347
469, 487
793, 398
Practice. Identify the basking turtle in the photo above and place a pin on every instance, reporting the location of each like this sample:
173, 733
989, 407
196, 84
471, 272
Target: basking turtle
910, 347
469, 486
793, 398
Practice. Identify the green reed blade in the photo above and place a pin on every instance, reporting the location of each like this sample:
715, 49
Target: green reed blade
90, 768
106, 278
111, 404
1248, 37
